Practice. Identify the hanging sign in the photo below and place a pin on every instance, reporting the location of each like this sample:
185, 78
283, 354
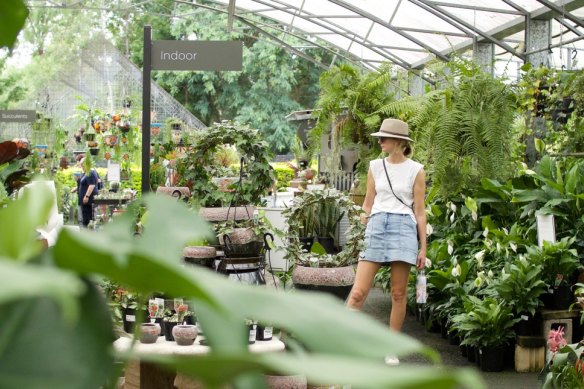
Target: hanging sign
16, 115
197, 55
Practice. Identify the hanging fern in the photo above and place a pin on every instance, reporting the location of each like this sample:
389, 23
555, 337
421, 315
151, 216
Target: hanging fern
465, 129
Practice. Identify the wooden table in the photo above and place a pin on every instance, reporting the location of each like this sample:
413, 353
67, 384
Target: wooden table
139, 375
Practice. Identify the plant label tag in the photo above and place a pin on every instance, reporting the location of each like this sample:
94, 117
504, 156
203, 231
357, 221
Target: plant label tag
523, 317
252, 333
130, 318
551, 291
268, 332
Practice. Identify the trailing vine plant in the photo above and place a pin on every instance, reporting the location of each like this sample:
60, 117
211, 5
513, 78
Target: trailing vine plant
197, 165
355, 233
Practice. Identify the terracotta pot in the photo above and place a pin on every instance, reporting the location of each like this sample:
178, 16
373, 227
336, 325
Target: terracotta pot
149, 332
185, 334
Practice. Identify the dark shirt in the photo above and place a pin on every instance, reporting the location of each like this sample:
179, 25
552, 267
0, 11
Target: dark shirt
84, 183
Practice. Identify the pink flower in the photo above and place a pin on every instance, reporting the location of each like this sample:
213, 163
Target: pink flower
556, 339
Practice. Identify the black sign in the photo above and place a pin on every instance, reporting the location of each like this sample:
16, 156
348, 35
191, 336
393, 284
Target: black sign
197, 55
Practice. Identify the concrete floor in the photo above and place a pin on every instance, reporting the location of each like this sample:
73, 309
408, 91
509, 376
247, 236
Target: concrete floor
378, 305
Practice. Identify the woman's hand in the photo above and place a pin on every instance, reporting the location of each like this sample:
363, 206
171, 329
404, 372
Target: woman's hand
363, 218
421, 261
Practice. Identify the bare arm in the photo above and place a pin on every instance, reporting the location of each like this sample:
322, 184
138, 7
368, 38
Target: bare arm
88, 193
369, 195
420, 213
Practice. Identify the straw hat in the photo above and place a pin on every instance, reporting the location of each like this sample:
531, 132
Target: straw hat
393, 128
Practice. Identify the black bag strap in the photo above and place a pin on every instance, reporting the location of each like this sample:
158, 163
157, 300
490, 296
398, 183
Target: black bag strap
391, 187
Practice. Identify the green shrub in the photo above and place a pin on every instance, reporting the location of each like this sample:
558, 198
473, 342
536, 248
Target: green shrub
283, 176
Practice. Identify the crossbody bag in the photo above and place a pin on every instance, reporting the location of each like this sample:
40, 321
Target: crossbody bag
400, 200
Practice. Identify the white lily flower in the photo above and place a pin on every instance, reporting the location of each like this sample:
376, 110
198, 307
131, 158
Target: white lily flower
429, 229
455, 272
478, 282
513, 247
498, 247
486, 232
474, 216
454, 262
529, 172
490, 274
453, 207
505, 231
480, 255
450, 248
452, 218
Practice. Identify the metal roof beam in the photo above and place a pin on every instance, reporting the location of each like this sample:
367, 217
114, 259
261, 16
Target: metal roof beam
381, 22
476, 8
569, 26
424, 31
562, 12
428, 6
512, 4
282, 43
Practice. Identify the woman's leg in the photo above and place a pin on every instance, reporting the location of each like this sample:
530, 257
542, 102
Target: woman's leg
363, 280
400, 272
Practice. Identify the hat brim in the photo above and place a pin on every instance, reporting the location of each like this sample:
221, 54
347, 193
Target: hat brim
380, 134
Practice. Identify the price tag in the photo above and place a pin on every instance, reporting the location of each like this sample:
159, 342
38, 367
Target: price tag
523, 317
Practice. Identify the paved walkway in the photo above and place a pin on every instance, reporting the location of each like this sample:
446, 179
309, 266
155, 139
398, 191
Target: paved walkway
378, 304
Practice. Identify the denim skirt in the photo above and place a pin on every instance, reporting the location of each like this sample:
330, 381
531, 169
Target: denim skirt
390, 237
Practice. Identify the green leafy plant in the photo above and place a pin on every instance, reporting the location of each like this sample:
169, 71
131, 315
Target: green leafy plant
565, 368
327, 217
485, 322
521, 285
47, 300
558, 261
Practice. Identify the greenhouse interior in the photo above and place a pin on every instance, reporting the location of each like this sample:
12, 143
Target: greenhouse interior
292, 194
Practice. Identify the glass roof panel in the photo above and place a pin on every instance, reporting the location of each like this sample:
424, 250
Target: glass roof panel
412, 32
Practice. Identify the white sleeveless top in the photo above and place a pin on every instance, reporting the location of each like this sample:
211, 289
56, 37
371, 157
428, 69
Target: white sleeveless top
402, 176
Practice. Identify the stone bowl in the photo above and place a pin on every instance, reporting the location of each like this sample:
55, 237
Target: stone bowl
185, 335
149, 332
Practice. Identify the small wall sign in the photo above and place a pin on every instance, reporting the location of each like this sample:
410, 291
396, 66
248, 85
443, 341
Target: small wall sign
17, 115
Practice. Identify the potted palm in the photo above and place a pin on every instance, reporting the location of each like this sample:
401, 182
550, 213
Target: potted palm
488, 325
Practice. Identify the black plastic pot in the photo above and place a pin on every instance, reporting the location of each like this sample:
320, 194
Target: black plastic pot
264, 333
130, 317
168, 326
328, 243
492, 358
471, 354
562, 297
529, 327
306, 242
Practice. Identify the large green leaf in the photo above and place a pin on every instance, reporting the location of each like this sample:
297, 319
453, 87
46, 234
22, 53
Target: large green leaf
325, 370
39, 349
18, 223
13, 14
24, 281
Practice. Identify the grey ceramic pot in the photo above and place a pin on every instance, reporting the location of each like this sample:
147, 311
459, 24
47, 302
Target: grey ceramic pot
185, 335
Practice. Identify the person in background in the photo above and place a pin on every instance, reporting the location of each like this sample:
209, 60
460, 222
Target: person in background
395, 215
86, 191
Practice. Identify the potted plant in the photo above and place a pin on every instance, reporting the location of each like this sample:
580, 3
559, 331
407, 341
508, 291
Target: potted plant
133, 310
564, 368
327, 218
488, 325
318, 270
559, 262
521, 287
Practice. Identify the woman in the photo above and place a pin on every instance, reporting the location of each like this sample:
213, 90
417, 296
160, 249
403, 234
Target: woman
86, 190
395, 216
